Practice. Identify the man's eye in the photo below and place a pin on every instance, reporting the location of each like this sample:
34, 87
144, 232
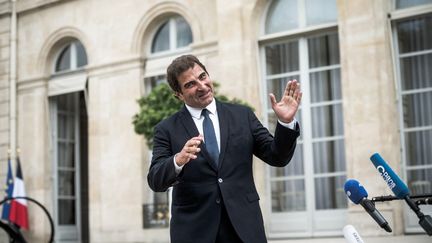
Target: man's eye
202, 76
189, 85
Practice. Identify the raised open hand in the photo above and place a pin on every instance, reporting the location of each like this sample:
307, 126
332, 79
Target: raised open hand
287, 107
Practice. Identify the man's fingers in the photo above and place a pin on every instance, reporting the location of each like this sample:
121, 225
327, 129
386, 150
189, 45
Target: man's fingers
288, 88
195, 141
192, 149
272, 100
296, 92
299, 97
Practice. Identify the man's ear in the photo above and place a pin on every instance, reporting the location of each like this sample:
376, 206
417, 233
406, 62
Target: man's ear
178, 95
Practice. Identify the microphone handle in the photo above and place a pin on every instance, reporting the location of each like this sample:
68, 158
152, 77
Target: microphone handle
369, 206
414, 207
425, 221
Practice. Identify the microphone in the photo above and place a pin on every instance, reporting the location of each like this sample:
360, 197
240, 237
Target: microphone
393, 181
351, 235
358, 195
401, 190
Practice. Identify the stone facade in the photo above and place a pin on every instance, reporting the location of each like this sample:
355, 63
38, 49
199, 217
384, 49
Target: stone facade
117, 35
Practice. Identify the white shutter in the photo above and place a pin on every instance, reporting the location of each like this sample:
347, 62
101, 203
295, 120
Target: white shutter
67, 84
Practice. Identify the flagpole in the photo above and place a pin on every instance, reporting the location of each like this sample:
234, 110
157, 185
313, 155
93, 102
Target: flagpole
13, 77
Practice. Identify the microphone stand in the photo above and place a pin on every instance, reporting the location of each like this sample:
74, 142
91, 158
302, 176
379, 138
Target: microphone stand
424, 199
425, 221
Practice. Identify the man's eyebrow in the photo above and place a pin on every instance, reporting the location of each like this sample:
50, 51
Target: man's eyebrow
188, 82
202, 74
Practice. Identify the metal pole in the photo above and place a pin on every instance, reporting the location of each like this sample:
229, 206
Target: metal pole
12, 88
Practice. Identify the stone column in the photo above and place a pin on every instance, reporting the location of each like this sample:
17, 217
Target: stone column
370, 108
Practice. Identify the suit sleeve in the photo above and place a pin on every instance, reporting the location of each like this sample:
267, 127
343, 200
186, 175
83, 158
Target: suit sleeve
162, 173
275, 150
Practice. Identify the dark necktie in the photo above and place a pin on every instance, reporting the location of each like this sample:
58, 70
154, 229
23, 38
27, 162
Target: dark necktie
210, 136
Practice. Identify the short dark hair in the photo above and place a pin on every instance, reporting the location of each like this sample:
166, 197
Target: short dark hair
178, 66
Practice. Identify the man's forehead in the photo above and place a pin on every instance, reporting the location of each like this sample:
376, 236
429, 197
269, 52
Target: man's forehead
195, 71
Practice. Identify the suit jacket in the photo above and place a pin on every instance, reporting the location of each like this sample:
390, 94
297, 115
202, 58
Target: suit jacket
201, 187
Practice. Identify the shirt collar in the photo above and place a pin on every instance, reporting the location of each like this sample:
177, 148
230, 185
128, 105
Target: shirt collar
196, 112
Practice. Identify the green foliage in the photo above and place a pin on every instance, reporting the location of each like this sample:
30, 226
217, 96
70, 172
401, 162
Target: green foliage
160, 104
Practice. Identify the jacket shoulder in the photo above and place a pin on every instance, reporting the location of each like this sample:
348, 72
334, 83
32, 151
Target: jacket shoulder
235, 107
172, 119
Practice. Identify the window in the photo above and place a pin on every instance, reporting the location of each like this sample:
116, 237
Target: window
73, 56
173, 34
307, 193
151, 82
301, 13
171, 37
156, 210
68, 124
70, 166
413, 42
410, 3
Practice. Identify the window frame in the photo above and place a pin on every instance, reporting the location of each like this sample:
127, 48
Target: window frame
396, 16
173, 49
278, 221
73, 67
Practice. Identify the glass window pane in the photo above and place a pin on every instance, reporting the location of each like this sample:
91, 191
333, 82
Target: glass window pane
410, 3
288, 195
420, 181
66, 186
161, 42
282, 16
415, 34
66, 212
161, 198
65, 102
81, 55
63, 61
282, 58
329, 156
61, 125
416, 71
327, 121
417, 109
294, 168
329, 193
68, 132
418, 148
323, 50
65, 127
66, 155
325, 86
320, 12
151, 82
184, 33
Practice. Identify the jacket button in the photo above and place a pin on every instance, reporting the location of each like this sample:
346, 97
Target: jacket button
218, 201
220, 180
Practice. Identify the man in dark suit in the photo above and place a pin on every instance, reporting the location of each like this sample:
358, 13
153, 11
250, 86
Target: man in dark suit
205, 152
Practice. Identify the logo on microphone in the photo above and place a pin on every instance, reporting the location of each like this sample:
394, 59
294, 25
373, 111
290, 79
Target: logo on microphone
357, 237
386, 177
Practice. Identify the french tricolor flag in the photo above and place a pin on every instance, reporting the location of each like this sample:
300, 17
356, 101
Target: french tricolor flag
18, 209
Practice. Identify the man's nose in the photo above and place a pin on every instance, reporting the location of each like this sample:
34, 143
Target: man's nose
201, 84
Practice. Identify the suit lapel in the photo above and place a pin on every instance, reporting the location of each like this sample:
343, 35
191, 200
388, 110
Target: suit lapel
188, 123
192, 131
224, 129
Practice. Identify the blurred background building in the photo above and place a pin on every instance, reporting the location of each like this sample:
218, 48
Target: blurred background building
72, 70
